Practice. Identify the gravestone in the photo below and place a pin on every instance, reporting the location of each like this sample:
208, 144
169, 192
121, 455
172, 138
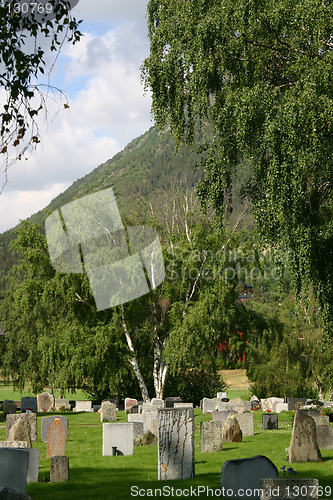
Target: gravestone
245, 420
255, 405
29, 403
96, 408
61, 404
138, 433
211, 437
183, 405
287, 488
231, 432
56, 439
14, 444
270, 421
149, 439
31, 419
322, 420
13, 468
9, 407
222, 406
45, 402
119, 436
240, 478
325, 437
281, 407
221, 395
129, 402
108, 412
157, 402
254, 399
20, 431
270, 403
304, 446
10, 494
237, 405
46, 421
33, 467
209, 404
83, 406
175, 443
171, 400
134, 409
295, 401
59, 469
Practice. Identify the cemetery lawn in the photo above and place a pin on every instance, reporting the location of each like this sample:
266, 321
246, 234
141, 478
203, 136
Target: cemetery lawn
94, 476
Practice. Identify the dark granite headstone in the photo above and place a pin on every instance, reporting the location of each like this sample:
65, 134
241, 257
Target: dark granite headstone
13, 468
170, 401
292, 401
242, 476
270, 421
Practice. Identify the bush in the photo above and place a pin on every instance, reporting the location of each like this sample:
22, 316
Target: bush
194, 384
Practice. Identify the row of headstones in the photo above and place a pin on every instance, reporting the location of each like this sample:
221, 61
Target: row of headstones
175, 432
277, 405
21, 432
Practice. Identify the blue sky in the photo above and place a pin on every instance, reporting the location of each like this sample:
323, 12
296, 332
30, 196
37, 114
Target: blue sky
101, 78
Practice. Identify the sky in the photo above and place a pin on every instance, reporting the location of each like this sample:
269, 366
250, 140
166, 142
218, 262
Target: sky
107, 107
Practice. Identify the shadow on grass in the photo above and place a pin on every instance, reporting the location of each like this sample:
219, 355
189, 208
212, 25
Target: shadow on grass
119, 484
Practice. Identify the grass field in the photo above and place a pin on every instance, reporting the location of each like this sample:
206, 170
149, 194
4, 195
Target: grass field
94, 476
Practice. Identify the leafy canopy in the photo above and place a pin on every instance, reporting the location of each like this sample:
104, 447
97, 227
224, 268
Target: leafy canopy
24, 44
261, 73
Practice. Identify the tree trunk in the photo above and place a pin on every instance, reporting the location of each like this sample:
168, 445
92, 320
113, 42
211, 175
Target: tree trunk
331, 395
134, 362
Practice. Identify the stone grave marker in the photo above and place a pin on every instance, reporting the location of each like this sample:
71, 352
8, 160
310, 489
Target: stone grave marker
237, 405
321, 420
118, 436
9, 407
211, 437
31, 419
83, 406
270, 421
183, 405
244, 475
231, 432
304, 446
325, 437
45, 402
20, 431
62, 403
222, 406
108, 412
285, 488
13, 468
59, 469
56, 439
33, 467
171, 400
298, 401
134, 409
29, 403
137, 433
157, 402
96, 408
10, 494
130, 402
209, 404
175, 443
46, 421
14, 444
245, 420
281, 407
221, 395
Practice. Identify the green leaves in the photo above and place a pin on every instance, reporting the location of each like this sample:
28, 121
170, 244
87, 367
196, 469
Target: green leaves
260, 73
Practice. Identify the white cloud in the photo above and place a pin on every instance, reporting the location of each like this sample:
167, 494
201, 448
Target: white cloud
107, 109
